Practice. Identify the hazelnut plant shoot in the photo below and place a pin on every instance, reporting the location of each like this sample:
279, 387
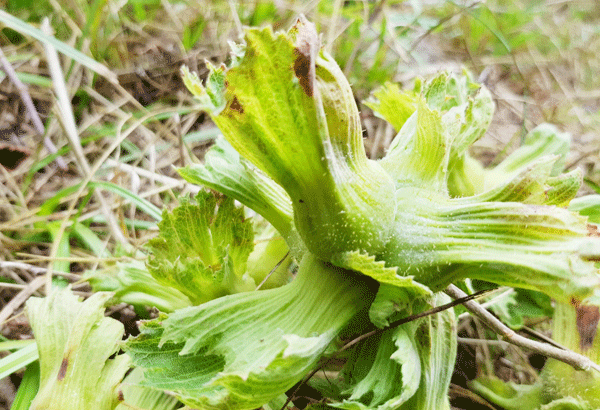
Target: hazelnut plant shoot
375, 241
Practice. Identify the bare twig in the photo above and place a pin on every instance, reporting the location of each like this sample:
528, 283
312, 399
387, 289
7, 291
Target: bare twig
437, 309
272, 271
578, 361
353, 342
35, 118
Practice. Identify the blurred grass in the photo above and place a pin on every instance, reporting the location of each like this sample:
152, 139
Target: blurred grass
132, 120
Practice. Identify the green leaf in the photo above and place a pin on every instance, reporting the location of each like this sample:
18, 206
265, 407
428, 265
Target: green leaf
408, 367
542, 144
393, 105
542, 141
14, 344
210, 96
201, 250
224, 171
243, 350
141, 203
383, 372
588, 205
435, 339
192, 32
144, 398
470, 113
64, 247
395, 292
453, 113
419, 153
75, 343
544, 248
132, 283
567, 403
90, 239
515, 307
290, 111
533, 185
270, 260
509, 395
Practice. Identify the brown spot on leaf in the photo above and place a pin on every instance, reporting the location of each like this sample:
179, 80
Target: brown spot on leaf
587, 318
120, 396
592, 230
307, 47
62, 372
236, 105
302, 69
587, 325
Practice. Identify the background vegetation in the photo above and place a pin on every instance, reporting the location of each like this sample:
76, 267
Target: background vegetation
112, 102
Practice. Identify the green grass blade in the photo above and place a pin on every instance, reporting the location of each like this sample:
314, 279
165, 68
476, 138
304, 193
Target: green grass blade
14, 344
18, 360
91, 240
28, 388
27, 29
140, 202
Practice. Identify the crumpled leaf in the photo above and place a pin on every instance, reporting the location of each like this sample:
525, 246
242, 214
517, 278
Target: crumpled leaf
509, 395
393, 105
588, 205
290, 111
515, 307
202, 250
75, 343
144, 398
131, 283
567, 403
395, 293
225, 171
243, 350
408, 367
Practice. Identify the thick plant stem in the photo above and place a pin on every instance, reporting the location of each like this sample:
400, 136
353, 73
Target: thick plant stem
575, 328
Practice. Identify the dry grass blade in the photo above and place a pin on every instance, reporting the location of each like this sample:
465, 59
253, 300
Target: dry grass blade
68, 121
35, 118
21, 298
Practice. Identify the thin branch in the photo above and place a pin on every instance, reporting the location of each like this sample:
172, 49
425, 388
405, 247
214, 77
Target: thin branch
353, 342
573, 359
438, 309
272, 271
33, 114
